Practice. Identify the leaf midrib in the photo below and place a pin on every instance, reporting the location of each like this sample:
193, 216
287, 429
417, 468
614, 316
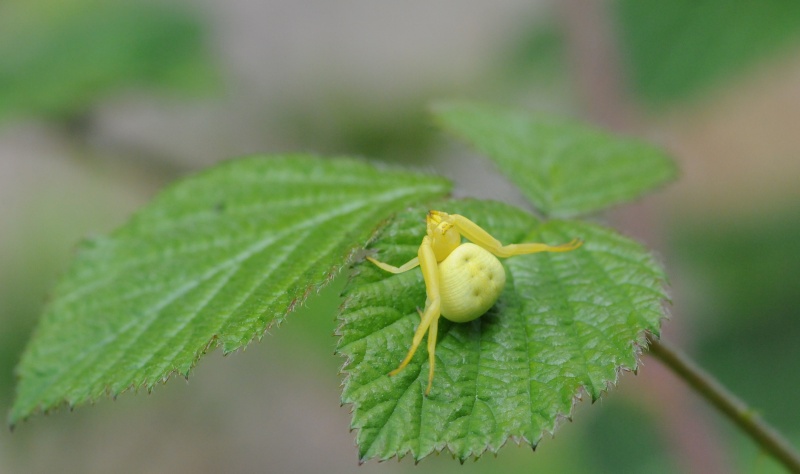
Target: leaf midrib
133, 264
230, 262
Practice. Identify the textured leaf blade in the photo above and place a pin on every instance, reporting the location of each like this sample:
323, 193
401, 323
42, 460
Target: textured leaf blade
214, 260
565, 324
564, 168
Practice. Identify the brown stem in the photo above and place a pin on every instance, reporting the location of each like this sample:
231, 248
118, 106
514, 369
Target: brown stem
595, 63
737, 411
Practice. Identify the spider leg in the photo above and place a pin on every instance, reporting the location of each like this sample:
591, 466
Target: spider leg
534, 247
430, 316
392, 269
477, 235
431, 352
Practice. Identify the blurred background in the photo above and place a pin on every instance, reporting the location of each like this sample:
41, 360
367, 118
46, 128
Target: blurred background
103, 102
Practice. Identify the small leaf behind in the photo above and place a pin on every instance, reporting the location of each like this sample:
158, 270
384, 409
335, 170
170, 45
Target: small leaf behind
215, 260
566, 323
564, 168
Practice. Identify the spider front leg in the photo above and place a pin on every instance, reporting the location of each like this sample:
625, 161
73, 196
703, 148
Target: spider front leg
429, 318
411, 264
477, 235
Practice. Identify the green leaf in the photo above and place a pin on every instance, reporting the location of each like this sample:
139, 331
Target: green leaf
566, 324
58, 58
564, 168
214, 261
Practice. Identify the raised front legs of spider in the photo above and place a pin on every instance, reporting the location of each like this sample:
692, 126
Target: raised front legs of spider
462, 280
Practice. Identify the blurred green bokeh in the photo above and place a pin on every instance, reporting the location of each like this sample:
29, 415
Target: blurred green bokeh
681, 49
58, 58
674, 51
745, 271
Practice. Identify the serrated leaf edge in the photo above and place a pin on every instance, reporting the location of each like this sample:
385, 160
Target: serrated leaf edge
639, 347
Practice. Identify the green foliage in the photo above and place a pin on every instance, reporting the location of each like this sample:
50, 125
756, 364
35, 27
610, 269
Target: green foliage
565, 323
220, 257
57, 58
678, 49
565, 169
215, 260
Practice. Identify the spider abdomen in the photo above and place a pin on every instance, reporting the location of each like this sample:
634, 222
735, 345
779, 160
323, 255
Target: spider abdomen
470, 281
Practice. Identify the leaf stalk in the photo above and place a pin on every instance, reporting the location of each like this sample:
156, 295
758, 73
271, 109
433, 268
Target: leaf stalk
729, 404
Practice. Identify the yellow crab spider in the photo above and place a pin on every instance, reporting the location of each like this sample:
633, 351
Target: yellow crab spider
462, 280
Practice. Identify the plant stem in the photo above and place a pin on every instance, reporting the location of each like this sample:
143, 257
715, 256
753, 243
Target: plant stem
737, 411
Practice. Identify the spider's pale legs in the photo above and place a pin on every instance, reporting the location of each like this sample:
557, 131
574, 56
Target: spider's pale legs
426, 259
429, 318
392, 269
477, 235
